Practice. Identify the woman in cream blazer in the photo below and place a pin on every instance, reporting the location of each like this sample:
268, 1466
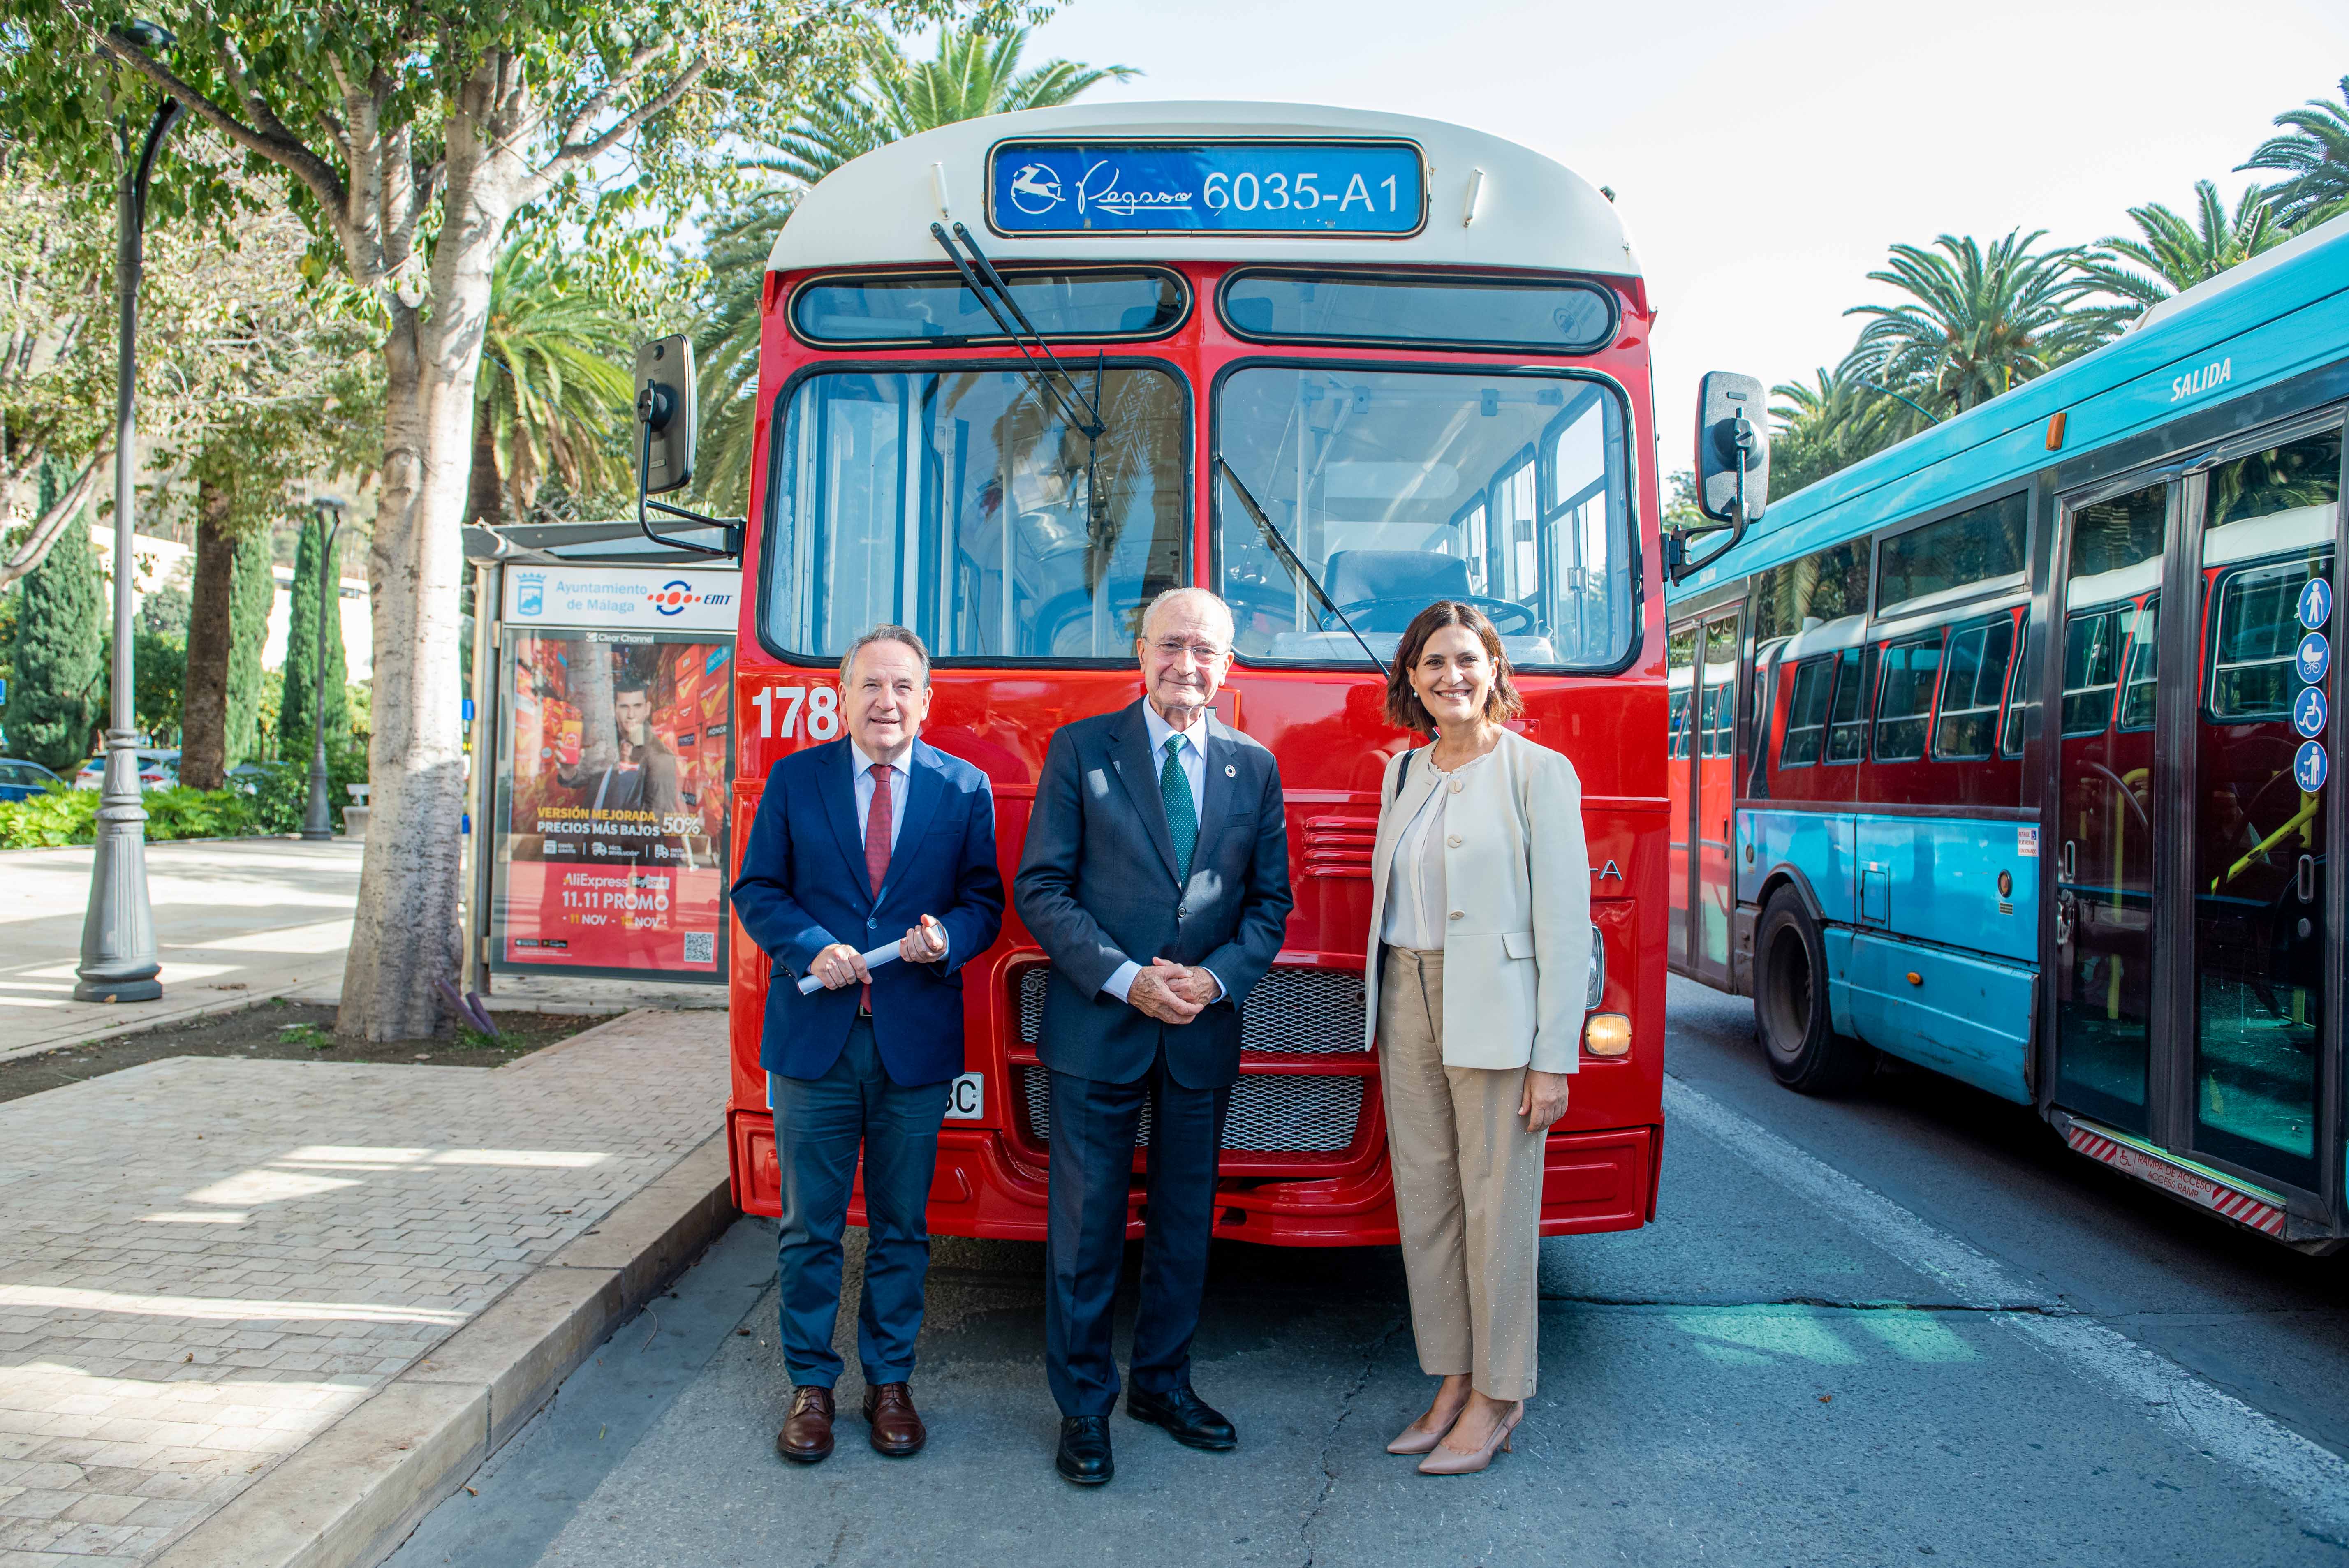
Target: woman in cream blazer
1478, 972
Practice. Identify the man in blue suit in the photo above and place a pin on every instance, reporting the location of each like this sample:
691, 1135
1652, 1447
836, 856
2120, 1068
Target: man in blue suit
1155, 878
871, 834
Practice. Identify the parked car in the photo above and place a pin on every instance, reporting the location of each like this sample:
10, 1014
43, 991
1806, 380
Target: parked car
158, 770
246, 778
21, 781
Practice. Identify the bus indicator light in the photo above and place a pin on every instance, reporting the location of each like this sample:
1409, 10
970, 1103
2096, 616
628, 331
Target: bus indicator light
2310, 766
1607, 1034
2056, 432
2315, 603
2315, 657
2308, 712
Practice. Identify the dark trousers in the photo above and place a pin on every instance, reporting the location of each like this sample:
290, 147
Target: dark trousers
819, 1125
1094, 1128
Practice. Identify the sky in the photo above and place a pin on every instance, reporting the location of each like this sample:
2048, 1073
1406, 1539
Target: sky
1764, 156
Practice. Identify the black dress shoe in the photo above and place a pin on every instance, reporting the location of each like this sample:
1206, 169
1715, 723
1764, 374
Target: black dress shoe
1084, 1456
1188, 1420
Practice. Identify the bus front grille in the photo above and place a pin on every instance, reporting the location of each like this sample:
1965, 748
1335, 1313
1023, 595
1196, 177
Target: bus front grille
1271, 1113
1292, 1012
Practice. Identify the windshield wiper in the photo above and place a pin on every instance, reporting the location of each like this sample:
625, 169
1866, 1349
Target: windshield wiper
986, 286
1280, 547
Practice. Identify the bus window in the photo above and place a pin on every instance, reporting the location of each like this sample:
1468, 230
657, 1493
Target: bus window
1721, 687
1396, 488
2092, 662
1847, 719
1806, 713
2022, 699
2144, 666
1905, 698
2252, 676
1560, 317
1968, 725
959, 503
1678, 748
943, 310
1982, 545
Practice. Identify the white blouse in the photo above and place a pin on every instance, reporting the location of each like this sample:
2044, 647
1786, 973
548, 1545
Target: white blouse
1415, 880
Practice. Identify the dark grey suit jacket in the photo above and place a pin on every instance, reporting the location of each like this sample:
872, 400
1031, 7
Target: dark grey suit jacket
1096, 886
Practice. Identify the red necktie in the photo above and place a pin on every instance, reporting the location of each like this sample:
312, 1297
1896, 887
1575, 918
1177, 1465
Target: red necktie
877, 819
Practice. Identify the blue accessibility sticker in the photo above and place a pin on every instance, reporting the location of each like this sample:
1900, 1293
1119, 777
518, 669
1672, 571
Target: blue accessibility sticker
2315, 657
2310, 766
2308, 711
2315, 603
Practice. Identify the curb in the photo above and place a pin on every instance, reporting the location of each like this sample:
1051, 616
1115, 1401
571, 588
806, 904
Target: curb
353, 1494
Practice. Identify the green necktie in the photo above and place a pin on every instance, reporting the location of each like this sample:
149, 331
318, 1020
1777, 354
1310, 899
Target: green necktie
1182, 813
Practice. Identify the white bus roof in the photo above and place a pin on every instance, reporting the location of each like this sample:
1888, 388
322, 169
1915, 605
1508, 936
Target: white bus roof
1530, 211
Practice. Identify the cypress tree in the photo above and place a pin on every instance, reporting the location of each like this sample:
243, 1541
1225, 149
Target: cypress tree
57, 698
253, 588
296, 737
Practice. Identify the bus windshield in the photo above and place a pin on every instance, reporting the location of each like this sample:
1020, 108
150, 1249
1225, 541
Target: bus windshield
959, 502
1397, 488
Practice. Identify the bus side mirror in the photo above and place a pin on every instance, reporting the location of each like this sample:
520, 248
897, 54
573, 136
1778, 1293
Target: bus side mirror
1732, 465
665, 417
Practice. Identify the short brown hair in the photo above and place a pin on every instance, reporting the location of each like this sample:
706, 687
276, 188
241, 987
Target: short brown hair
1403, 707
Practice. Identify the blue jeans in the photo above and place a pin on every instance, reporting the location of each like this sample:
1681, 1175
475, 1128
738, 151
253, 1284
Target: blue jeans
819, 1126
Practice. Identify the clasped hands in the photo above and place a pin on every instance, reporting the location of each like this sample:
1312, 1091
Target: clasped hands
840, 965
1172, 993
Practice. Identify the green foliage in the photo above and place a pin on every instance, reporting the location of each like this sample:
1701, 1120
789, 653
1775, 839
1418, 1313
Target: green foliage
165, 611
309, 1034
159, 676
251, 589
2171, 252
554, 390
48, 820
1831, 422
294, 732
1977, 322
57, 695
2314, 153
68, 816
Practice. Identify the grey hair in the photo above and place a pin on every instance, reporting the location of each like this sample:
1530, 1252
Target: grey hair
889, 633
1150, 613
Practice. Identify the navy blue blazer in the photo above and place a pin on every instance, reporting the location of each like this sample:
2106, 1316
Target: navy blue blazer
804, 887
1096, 886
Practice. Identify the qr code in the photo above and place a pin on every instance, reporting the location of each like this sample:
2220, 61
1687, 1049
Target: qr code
702, 947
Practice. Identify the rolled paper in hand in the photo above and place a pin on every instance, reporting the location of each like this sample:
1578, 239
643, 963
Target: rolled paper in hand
872, 960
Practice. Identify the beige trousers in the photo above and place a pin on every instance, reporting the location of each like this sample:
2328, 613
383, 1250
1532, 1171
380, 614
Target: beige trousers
1467, 1182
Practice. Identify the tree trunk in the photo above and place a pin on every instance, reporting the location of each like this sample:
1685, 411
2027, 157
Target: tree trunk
485, 498
203, 714
404, 939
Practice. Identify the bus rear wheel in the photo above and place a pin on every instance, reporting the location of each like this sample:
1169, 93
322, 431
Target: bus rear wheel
1790, 1003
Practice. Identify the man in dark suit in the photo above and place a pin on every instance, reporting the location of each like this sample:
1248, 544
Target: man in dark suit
872, 833
1156, 879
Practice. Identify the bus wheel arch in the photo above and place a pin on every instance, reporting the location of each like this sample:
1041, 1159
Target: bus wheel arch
1791, 1015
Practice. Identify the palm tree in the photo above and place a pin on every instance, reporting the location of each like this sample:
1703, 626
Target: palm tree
2315, 153
1978, 322
1832, 421
2171, 254
554, 392
974, 73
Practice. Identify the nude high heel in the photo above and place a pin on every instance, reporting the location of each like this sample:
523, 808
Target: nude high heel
1439, 1461
1413, 1439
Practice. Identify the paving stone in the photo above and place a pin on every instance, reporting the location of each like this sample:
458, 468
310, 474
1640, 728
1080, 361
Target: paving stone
177, 1363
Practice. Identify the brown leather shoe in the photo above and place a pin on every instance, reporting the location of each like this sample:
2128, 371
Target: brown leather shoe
806, 1435
896, 1429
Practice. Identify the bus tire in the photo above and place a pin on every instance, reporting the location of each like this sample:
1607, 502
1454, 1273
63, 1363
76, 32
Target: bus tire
1790, 1003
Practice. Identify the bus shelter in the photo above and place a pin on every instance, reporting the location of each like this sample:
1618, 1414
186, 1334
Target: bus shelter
601, 734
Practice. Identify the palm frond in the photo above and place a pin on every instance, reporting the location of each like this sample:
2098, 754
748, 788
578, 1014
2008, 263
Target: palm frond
2314, 153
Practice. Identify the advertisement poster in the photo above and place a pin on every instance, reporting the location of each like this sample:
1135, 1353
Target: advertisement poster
611, 850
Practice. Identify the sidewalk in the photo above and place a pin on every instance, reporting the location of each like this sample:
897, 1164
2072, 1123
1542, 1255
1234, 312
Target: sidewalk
236, 921
207, 1264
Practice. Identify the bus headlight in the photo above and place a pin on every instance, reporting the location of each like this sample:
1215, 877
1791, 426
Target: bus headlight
1607, 1035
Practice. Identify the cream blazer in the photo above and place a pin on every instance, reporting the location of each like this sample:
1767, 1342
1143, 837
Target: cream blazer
1516, 940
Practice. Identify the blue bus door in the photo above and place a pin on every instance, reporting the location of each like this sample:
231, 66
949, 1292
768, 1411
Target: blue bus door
2257, 1000
2113, 550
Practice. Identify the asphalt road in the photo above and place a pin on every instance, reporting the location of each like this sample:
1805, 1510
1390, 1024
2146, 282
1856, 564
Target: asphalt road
1898, 1327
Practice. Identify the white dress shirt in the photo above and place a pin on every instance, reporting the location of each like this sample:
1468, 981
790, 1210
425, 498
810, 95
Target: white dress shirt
901, 787
1193, 760
1416, 902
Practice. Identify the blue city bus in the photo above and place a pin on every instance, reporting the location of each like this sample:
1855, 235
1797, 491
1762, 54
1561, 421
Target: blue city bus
2005, 752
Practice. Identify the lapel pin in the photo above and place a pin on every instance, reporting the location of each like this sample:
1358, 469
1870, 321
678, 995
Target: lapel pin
1230, 771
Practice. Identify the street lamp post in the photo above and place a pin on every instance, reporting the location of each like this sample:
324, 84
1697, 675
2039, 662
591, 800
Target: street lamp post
118, 961
317, 821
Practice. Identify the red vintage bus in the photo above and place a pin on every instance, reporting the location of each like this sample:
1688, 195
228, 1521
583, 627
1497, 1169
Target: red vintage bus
1422, 354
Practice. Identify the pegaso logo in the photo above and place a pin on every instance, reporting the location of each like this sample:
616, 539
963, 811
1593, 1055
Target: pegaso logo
1035, 190
672, 598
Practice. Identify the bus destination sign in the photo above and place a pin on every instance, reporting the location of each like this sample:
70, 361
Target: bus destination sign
1350, 187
